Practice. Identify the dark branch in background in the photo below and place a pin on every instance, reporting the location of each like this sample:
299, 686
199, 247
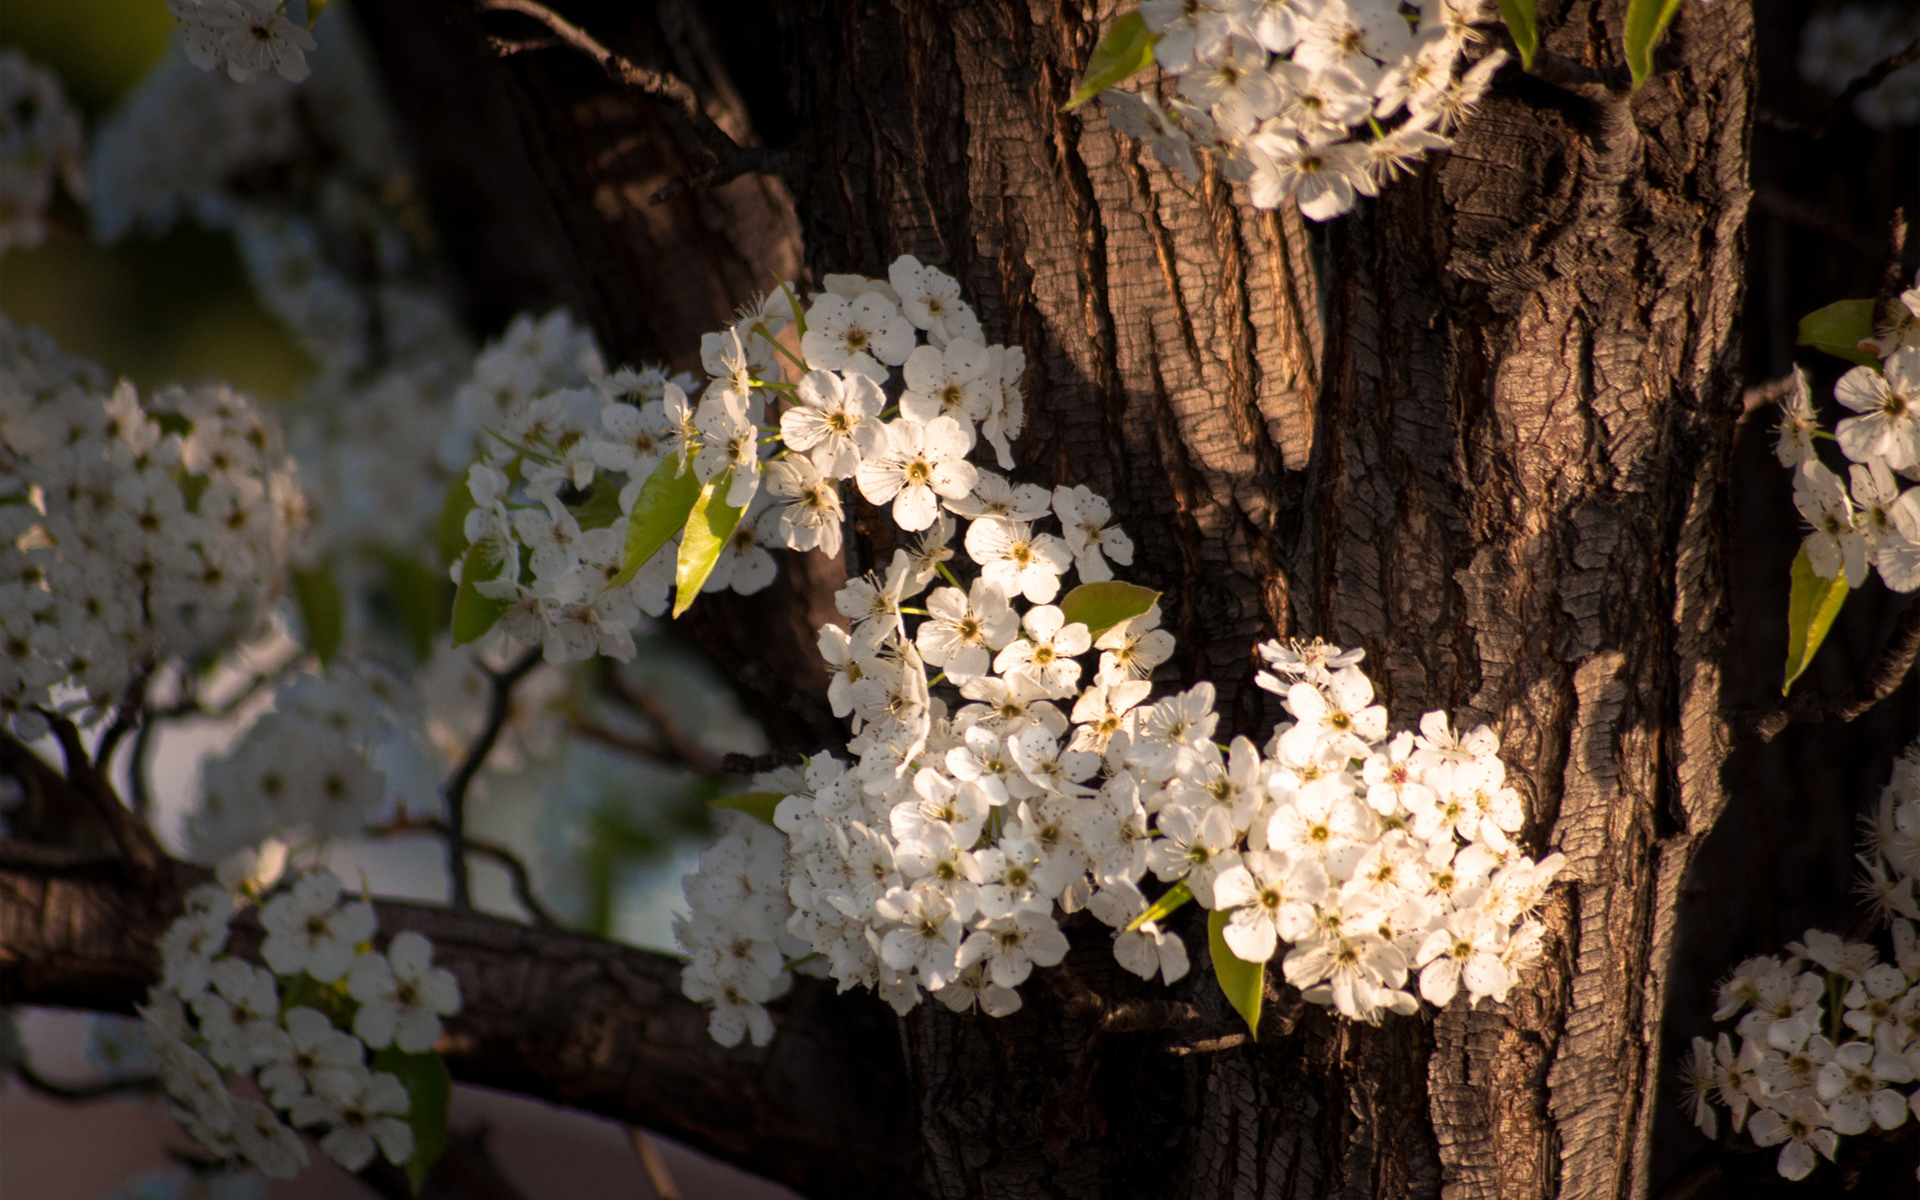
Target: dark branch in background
1882, 679
676, 98
671, 743
1875, 76
1807, 214
125, 719
1896, 247
499, 704
516, 868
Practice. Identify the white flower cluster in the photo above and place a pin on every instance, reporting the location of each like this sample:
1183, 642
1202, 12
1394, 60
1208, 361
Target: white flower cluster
40, 141
1829, 1037
1873, 522
298, 1029
1840, 45
129, 532
940, 858
251, 37
303, 771
1278, 89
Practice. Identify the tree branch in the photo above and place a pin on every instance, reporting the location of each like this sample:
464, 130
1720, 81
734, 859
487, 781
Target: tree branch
562, 1017
499, 703
522, 878
730, 160
1860, 86
674, 745
1882, 679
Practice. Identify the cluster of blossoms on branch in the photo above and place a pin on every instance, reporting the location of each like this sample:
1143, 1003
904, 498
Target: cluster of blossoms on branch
1031, 775
1319, 101
300, 1028
1866, 520
1828, 1038
130, 531
40, 143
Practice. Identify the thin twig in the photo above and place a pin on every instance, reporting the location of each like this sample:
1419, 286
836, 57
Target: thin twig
1860, 86
499, 704
654, 1165
515, 865
1896, 270
730, 159
137, 784
1882, 679
673, 738
124, 719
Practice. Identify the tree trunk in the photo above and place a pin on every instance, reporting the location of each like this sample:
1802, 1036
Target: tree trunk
1481, 427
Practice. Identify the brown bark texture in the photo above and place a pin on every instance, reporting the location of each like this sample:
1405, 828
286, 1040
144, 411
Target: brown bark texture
1482, 427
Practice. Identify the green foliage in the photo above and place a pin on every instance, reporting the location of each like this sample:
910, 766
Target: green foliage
709, 526
1101, 606
1839, 328
1243, 983
1126, 50
758, 805
322, 611
1519, 16
419, 595
1812, 604
450, 527
1175, 898
429, 1088
1646, 22
659, 511
474, 614
601, 507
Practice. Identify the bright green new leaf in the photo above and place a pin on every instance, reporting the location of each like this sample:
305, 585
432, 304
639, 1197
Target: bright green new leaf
429, 1087
1646, 22
1244, 983
709, 526
1127, 48
321, 610
450, 528
1839, 328
474, 614
1518, 14
1812, 604
1174, 898
1101, 606
420, 597
758, 805
659, 511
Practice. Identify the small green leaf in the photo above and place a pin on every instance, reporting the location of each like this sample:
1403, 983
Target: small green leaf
1839, 328
1101, 606
420, 597
709, 526
601, 508
1812, 604
172, 422
314, 9
659, 511
474, 614
450, 528
1646, 22
758, 805
429, 1088
1519, 16
1242, 982
1127, 48
321, 610
1172, 900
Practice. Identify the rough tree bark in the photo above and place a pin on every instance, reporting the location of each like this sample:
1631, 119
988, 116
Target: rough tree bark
1481, 427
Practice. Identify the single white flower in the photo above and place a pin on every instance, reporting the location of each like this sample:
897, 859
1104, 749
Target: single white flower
402, 995
308, 929
1889, 403
813, 517
1083, 520
836, 422
964, 629
915, 466
362, 1113
1019, 561
1836, 544
850, 335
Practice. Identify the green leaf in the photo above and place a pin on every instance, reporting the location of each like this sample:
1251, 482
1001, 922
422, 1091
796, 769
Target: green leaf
659, 511
321, 610
1242, 982
601, 508
172, 422
420, 597
429, 1087
1812, 604
1101, 606
1519, 16
314, 9
474, 614
1127, 48
758, 805
1839, 328
1646, 22
709, 526
450, 528
1172, 900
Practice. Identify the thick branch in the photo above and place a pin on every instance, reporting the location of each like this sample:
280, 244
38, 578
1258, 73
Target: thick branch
1881, 680
566, 1018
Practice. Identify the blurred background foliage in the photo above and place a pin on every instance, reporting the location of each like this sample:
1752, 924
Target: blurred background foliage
172, 309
